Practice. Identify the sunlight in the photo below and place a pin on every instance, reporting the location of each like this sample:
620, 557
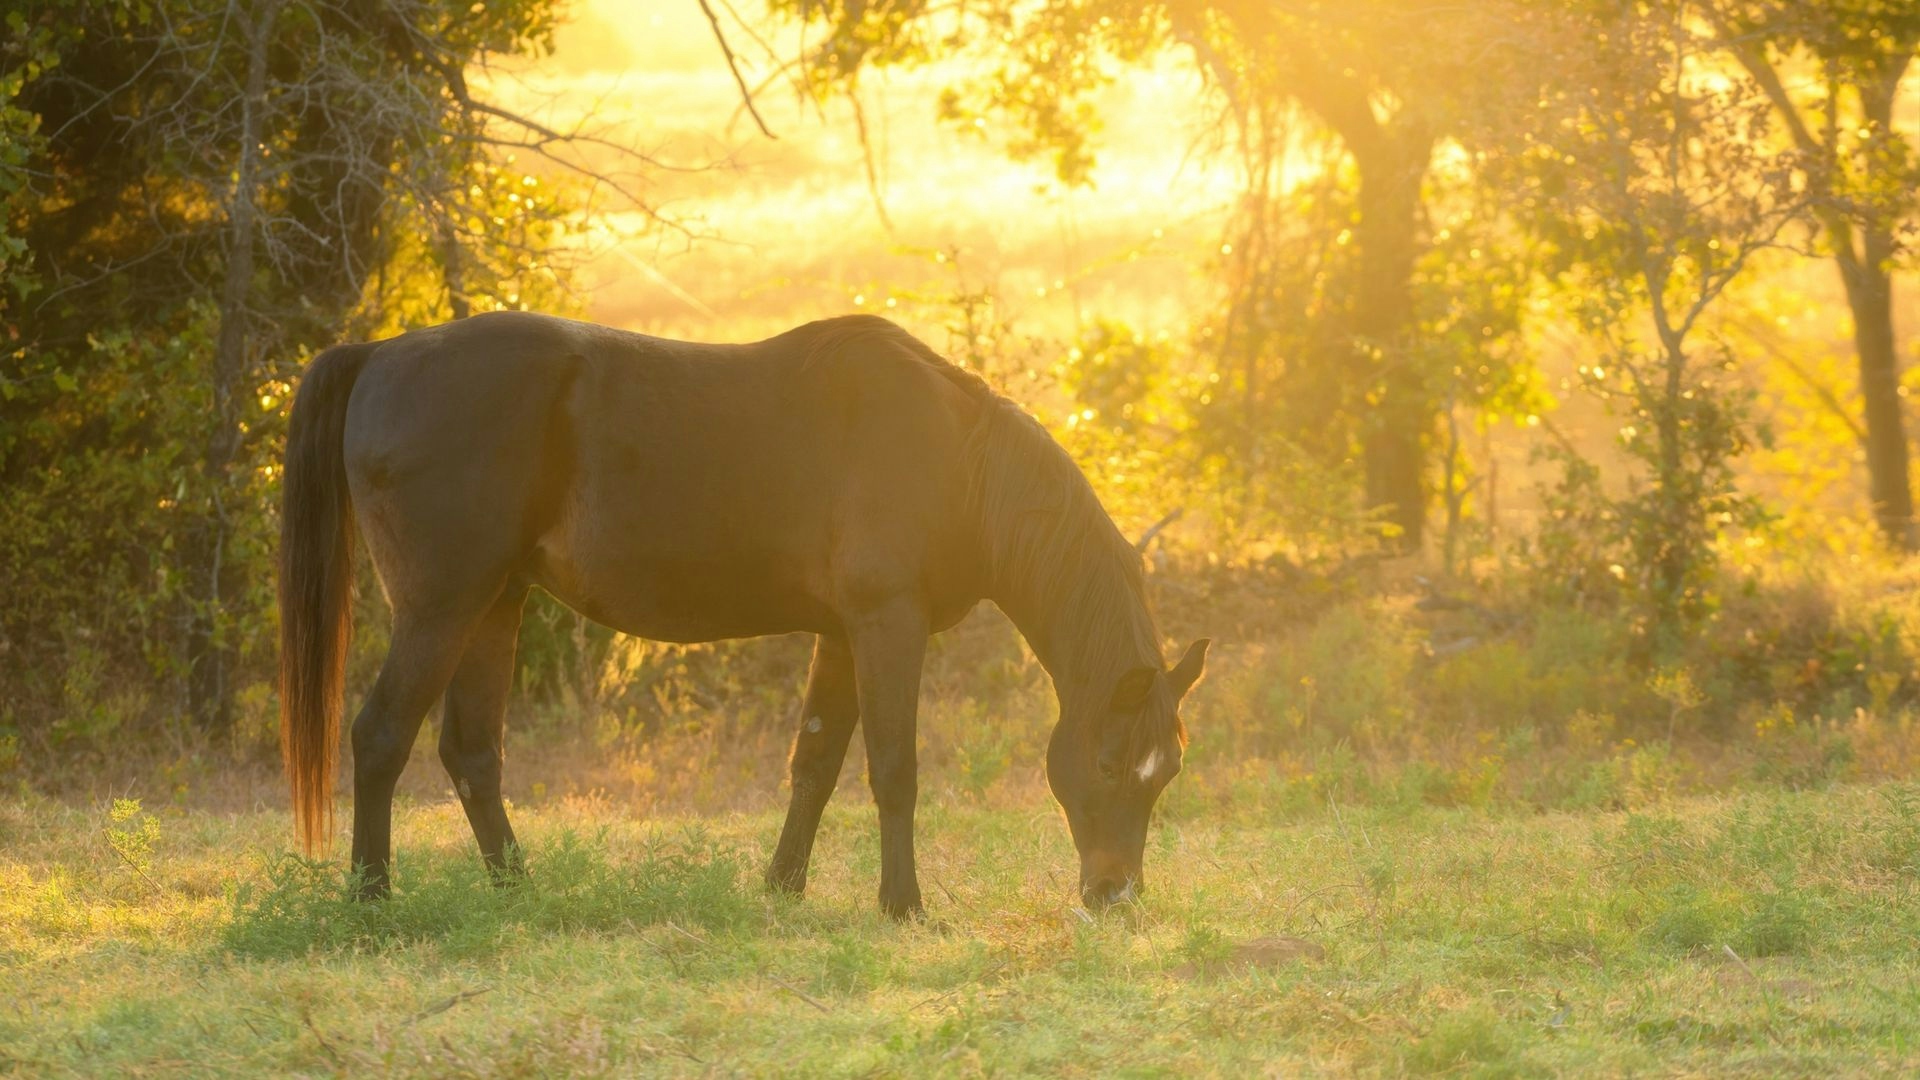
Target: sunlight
1019, 224
1217, 537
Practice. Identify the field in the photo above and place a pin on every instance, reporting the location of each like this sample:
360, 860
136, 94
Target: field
1766, 933
1523, 409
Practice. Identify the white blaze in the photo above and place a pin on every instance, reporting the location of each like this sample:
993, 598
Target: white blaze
1149, 765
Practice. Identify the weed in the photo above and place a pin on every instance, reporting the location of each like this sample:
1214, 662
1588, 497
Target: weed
851, 964
1205, 948
1471, 1042
1779, 922
574, 888
132, 834
1691, 919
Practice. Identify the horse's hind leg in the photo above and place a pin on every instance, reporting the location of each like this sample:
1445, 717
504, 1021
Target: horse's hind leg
827, 716
472, 726
418, 665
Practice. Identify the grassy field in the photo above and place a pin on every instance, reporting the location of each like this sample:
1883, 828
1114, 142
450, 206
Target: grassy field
1768, 933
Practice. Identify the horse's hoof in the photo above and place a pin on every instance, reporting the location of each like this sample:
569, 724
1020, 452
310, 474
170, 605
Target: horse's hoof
508, 877
786, 882
904, 908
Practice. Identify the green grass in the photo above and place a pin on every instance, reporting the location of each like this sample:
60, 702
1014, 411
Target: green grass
1762, 934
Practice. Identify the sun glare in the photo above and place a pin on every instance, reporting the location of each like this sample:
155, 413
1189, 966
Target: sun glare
764, 233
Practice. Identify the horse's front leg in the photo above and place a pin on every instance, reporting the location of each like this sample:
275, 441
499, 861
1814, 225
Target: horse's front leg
888, 646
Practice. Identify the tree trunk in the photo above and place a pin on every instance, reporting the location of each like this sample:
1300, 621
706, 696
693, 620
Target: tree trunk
210, 654
1674, 551
453, 270
1869, 288
1398, 413
453, 264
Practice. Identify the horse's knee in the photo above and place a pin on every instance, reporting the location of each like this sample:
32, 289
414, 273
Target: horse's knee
379, 751
895, 783
812, 749
474, 773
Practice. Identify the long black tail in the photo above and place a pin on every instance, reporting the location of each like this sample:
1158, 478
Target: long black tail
316, 586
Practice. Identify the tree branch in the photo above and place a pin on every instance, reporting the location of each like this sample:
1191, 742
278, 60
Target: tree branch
733, 65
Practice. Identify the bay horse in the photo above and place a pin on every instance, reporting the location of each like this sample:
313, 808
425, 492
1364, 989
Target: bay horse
841, 479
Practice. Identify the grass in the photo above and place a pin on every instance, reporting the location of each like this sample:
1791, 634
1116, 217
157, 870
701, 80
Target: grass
1766, 933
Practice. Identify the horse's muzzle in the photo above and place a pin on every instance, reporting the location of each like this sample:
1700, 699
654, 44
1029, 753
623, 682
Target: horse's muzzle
1104, 892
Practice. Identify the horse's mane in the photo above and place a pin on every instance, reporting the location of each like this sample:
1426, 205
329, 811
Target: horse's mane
1050, 544
1047, 540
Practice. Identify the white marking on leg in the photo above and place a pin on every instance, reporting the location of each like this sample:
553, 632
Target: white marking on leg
1149, 764
813, 725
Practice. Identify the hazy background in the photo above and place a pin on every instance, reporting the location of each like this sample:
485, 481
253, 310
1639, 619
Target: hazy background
789, 227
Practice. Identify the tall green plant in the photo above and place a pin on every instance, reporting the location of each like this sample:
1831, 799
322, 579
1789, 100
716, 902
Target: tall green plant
1662, 177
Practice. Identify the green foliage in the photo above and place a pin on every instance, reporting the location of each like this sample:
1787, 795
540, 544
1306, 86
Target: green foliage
1691, 920
139, 446
985, 753
30, 52
852, 964
1346, 681
573, 886
1472, 1042
1777, 923
1658, 211
1565, 661
1042, 63
132, 834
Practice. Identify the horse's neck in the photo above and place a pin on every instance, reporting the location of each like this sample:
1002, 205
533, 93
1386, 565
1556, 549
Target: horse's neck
1078, 644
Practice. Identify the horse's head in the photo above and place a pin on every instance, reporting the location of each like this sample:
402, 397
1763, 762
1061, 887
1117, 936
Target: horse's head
1112, 753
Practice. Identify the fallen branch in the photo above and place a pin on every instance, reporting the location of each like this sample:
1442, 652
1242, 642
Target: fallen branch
332, 1054
799, 993
131, 865
442, 1006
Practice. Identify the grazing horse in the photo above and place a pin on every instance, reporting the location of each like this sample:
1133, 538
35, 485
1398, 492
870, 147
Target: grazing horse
841, 479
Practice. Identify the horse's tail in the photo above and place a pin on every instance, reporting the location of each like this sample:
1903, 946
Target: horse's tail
316, 586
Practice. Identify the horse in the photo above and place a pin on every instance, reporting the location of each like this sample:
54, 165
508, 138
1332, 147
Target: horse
840, 479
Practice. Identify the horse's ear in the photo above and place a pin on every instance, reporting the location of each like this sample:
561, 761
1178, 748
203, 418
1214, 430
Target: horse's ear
1131, 692
1188, 670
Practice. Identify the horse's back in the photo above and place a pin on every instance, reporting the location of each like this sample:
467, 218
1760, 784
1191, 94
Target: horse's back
726, 491
677, 490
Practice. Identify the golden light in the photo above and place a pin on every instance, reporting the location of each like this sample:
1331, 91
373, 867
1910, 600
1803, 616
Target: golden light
786, 226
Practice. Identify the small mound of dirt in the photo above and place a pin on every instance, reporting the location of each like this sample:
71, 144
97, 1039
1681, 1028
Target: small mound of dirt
1265, 952
1272, 950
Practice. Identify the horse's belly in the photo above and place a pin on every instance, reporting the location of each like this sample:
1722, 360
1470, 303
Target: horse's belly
685, 600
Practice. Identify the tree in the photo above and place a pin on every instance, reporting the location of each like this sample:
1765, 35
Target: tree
1346, 66
201, 193
1660, 179
1866, 175
1389, 97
